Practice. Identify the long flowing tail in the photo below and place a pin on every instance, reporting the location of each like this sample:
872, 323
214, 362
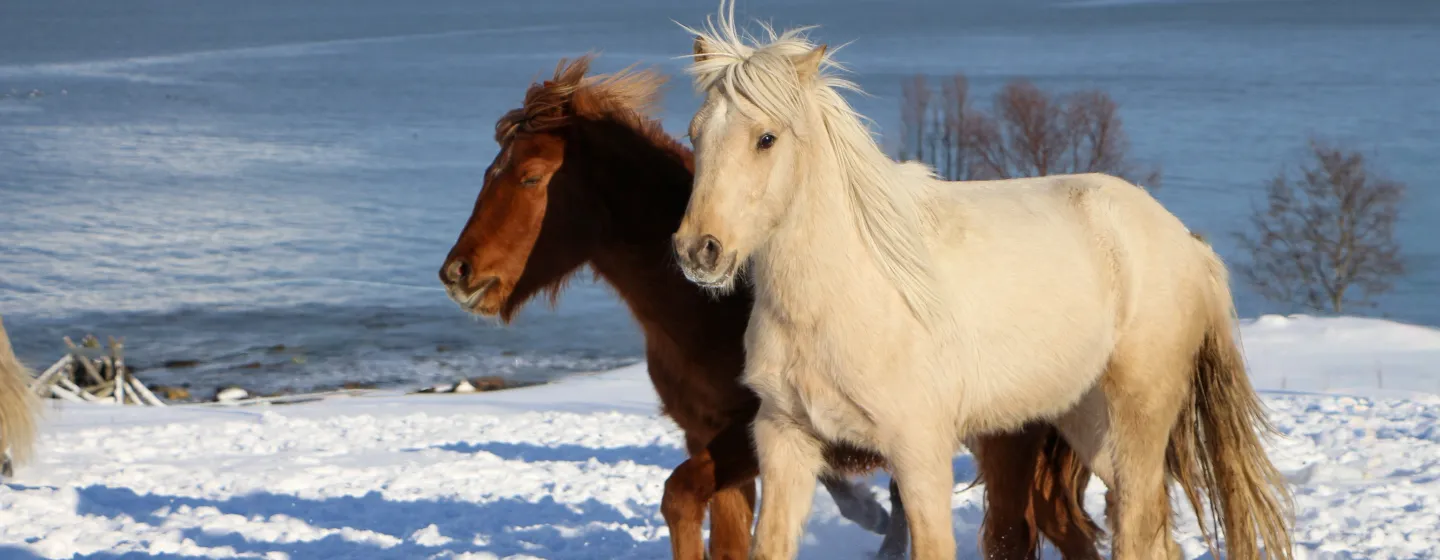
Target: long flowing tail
1060, 481
18, 405
1215, 447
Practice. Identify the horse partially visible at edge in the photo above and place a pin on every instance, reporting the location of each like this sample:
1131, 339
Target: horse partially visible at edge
585, 176
19, 407
902, 314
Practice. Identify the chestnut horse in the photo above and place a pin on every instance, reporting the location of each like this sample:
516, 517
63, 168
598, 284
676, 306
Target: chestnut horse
585, 176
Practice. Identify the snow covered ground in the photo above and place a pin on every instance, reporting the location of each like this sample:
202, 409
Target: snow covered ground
575, 470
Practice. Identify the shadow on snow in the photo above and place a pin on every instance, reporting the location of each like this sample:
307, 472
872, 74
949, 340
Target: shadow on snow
508, 526
659, 456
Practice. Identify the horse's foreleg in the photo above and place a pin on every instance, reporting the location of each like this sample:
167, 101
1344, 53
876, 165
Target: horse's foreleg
732, 478
732, 511
856, 503
790, 460
927, 481
897, 535
687, 492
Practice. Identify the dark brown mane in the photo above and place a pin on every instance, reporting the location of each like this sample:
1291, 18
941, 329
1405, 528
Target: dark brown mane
626, 97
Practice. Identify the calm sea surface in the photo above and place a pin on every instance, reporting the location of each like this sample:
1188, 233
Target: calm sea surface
214, 179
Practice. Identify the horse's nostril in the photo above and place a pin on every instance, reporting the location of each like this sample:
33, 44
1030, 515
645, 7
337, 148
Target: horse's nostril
708, 254
457, 271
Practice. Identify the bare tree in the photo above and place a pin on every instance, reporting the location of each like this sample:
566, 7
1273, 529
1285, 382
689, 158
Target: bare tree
1034, 131
914, 106
955, 94
1325, 241
1096, 139
1030, 133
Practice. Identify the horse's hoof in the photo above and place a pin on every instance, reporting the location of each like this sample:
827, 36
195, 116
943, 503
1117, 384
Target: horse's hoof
888, 551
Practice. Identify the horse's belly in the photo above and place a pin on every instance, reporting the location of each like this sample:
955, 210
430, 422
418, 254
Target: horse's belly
1035, 336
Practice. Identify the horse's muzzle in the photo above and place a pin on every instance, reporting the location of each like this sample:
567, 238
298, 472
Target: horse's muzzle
704, 260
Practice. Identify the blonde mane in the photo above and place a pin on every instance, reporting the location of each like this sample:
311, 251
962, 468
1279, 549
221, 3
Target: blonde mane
884, 197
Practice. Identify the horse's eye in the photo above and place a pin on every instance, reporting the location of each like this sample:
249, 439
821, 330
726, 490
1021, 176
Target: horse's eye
530, 181
766, 140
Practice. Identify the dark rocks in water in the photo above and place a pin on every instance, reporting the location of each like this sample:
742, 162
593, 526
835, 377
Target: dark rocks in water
171, 393
276, 349
516, 384
489, 383
479, 385
442, 348
177, 364
284, 391
251, 365
351, 385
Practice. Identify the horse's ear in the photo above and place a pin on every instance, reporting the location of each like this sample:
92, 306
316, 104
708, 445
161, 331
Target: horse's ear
701, 48
808, 65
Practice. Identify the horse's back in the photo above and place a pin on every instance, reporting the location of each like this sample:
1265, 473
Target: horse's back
1095, 226
1046, 272
1089, 239
1045, 234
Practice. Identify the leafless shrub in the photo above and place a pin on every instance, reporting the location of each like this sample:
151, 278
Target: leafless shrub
1030, 133
1325, 240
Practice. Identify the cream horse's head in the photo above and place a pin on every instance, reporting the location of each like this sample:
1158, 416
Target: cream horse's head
750, 135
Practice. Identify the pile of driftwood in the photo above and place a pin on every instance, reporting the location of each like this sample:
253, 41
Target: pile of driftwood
89, 373
477, 385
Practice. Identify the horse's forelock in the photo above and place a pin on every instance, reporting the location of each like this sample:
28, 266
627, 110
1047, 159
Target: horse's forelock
627, 96
759, 71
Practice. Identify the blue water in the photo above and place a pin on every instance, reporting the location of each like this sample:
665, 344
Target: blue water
213, 179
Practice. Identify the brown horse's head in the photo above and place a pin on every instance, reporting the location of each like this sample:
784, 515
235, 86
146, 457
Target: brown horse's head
539, 213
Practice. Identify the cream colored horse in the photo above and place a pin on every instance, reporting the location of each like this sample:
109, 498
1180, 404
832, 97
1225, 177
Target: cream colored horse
905, 314
18, 407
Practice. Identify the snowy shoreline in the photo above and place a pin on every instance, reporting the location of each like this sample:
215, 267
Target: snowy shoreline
574, 469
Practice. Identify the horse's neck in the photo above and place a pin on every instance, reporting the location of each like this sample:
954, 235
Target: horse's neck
642, 185
679, 320
645, 195
816, 251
